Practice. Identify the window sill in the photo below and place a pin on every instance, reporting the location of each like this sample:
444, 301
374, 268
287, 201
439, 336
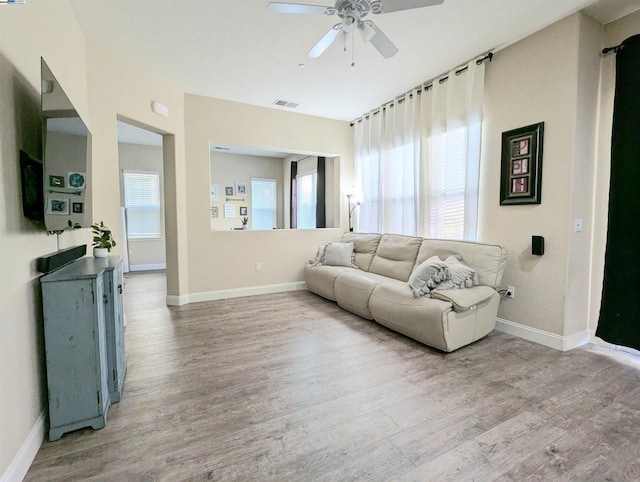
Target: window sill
146, 239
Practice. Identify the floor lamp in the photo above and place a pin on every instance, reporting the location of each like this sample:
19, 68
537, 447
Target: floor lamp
351, 209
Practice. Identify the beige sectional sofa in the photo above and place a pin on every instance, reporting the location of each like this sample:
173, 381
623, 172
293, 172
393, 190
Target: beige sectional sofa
378, 289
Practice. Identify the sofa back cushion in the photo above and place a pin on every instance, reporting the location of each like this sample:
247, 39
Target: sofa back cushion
365, 246
487, 259
395, 256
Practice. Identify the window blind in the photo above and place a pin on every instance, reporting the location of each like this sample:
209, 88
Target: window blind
142, 200
307, 185
263, 203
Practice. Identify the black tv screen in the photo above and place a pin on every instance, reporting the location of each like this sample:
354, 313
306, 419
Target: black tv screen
31, 175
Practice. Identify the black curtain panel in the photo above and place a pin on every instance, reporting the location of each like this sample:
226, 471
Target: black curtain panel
321, 218
619, 321
293, 204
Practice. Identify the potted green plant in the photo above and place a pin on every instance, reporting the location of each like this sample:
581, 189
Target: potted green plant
245, 222
102, 240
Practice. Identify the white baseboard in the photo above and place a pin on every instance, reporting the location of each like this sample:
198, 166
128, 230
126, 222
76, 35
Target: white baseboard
147, 267
24, 458
235, 293
173, 300
593, 339
546, 338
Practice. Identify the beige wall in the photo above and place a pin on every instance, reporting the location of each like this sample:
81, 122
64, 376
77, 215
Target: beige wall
143, 253
578, 275
228, 169
531, 81
119, 90
615, 33
221, 260
551, 76
26, 33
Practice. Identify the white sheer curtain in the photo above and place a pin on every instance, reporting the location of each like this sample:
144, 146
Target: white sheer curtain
418, 160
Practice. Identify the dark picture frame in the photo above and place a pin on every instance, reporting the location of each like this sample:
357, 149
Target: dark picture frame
56, 181
521, 165
228, 191
243, 211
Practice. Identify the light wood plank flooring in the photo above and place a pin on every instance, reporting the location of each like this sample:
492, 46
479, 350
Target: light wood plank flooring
291, 387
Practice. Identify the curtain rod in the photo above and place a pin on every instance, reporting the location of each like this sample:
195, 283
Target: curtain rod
613, 49
424, 87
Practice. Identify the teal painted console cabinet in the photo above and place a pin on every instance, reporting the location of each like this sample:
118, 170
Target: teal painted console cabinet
84, 342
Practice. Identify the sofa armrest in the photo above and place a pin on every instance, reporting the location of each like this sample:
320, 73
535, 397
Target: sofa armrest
465, 299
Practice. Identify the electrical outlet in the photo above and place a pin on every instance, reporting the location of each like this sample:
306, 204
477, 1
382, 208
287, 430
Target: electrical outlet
258, 266
510, 292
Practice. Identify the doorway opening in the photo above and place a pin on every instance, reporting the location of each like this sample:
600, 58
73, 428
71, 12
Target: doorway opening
142, 199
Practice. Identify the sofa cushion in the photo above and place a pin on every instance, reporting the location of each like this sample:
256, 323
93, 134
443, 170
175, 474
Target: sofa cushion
353, 289
321, 279
339, 254
365, 246
465, 299
396, 256
488, 260
394, 306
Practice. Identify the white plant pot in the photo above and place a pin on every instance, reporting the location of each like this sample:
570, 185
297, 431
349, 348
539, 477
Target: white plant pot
244, 226
100, 252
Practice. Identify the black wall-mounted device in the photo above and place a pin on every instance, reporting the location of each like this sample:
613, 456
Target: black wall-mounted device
537, 245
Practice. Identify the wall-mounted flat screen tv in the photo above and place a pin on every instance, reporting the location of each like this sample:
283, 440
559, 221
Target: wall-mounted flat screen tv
66, 152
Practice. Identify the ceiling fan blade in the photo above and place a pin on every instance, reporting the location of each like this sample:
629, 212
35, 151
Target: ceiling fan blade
388, 6
379, 40
281, 7
367, 32
325, 41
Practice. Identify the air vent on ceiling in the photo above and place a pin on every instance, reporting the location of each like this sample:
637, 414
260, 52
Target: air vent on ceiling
285, 103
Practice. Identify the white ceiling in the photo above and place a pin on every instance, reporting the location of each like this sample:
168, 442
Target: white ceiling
237, 50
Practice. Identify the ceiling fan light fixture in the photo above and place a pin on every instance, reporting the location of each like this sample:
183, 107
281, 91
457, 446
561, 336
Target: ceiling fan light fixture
349, 24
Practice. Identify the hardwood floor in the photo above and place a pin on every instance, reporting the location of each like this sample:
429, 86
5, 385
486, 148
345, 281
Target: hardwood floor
291, 387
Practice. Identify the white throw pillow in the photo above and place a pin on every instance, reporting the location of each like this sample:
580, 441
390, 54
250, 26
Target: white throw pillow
339, 254
460, 275
319, 259
427, 276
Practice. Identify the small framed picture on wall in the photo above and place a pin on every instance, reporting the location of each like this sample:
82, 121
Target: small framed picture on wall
521, 165
241, 188
228, 191
215, 193
57, 205
56, 181
243, 211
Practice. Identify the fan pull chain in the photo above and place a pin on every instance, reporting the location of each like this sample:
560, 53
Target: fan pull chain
353, 49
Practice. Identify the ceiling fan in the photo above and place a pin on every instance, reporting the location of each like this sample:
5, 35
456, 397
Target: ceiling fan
353, 15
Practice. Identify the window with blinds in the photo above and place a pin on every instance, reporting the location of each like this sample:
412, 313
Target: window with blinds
306, 206
142, 200
263, 203
446, 174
